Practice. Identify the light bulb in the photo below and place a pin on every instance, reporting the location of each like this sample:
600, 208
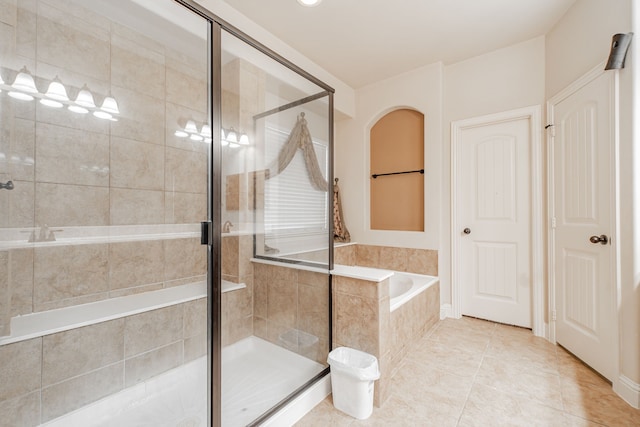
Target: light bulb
244, 139
51, 103
57, 91
181, 134
234, 145
24, 82
102, 115
191, 127
232, 136
110, 105
78, 109
20, 95
196, 137
85, 98
309, 3
206, 131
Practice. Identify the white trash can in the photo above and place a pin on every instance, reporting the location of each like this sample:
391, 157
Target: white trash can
353, 373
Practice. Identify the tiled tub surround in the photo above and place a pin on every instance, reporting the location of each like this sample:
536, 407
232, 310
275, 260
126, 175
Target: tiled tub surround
362, 319
46, 377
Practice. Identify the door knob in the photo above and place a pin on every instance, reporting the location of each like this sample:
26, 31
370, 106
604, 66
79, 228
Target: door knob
602, 239
467, 231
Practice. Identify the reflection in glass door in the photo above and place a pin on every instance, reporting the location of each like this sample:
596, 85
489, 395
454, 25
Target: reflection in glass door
105, 136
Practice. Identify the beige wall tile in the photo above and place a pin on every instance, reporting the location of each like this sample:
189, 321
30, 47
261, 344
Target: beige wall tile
68, 302
18, 145
141, 119
345, 255
85, 48
62, 272
21, 281
78, 351
20, 368
230, 255
185, 171
59, 205
137, 68
70, 156
136, 164
195, 318
184, 258
313, 310
136, 290
187, 89
77, 392
282, 299
238, 330
153, 329
150, 364
393, 258
25, 37
23, 411
356, 323
260, 295
184, 208
368, 256
134, 264
361, 288
195, 347
423, 261
8, 12
237, 304
136, 206
18, 204
260, 327
318, 280
120, 33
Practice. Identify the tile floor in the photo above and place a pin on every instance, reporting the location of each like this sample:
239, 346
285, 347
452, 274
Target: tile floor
471, 372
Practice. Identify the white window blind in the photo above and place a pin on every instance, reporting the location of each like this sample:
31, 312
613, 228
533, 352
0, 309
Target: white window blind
292, 205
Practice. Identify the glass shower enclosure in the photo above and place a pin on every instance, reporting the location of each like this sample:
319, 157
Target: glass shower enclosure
125, 125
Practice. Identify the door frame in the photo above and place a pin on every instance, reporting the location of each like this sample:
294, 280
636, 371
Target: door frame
534, 115
578, 84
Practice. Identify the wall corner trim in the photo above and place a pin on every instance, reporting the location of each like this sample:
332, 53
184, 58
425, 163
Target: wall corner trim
628, 389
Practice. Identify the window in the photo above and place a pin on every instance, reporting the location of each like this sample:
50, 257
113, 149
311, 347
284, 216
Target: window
292, 205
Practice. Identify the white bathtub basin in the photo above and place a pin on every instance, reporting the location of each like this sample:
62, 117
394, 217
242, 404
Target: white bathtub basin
404, 286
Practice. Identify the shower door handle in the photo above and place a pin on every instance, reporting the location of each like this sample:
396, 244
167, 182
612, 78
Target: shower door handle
205, 233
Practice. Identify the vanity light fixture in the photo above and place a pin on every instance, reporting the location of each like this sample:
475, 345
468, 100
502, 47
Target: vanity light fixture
110, 105
78, 109
85, 98
23, 86
181, 134
191, 127
57, 91
309, 3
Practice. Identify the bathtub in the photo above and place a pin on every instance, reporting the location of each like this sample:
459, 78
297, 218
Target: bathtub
404, 286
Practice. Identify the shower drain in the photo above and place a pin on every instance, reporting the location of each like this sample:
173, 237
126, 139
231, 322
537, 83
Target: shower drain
189, 422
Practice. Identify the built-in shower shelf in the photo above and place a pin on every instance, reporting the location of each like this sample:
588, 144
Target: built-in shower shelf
18, 238
63, 319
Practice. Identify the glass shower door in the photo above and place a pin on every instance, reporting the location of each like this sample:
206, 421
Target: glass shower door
105, 138
276, 156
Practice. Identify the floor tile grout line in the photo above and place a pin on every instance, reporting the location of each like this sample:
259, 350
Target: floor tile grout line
473, 381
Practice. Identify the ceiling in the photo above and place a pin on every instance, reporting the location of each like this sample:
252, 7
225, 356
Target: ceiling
362, 42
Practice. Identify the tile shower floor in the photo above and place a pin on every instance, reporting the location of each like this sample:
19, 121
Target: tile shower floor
471, 372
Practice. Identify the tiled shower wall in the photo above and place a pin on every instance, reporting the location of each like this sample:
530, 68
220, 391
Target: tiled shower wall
75, 170
44, 378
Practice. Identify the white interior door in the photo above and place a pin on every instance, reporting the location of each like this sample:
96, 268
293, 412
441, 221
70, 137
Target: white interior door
583, 189
493, 198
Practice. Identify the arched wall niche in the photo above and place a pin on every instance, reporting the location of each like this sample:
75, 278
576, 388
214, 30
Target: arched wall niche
396, 154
